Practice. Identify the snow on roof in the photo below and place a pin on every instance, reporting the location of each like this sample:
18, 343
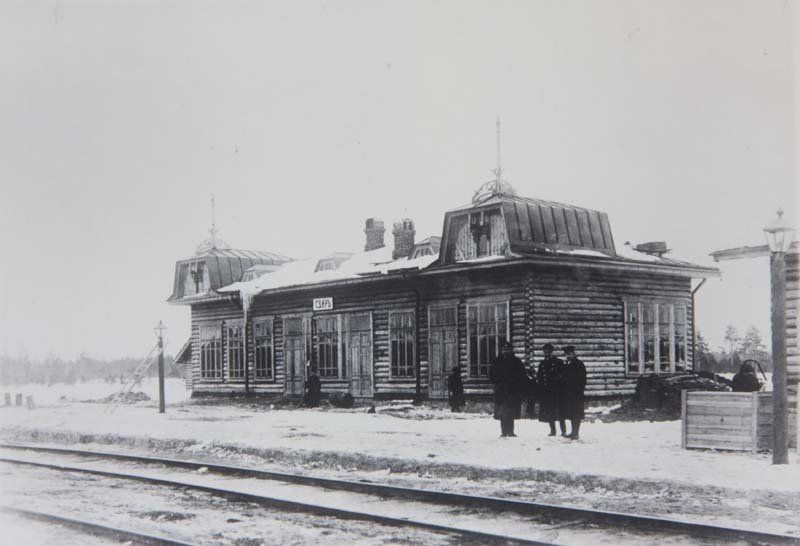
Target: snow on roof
302, 272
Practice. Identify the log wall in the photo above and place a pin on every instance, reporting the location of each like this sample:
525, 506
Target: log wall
563, 306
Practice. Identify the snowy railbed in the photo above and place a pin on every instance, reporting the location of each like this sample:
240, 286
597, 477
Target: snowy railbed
633, 466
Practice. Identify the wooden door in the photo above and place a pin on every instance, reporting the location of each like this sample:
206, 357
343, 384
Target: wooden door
359, 356
443, 350
294, 356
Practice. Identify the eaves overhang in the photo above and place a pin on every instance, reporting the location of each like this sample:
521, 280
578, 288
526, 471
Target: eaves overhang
623, 266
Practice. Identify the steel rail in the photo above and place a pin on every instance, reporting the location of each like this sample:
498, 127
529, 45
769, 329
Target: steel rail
94, 528
289, 505
603, 517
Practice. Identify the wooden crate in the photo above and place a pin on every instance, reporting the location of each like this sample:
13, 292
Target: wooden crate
739, 421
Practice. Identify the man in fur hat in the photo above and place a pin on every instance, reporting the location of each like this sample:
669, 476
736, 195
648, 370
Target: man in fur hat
510, 386
549, 382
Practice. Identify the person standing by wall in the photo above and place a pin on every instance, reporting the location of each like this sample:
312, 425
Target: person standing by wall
510, 385
574, 385
549, 382
313, 389
455, 390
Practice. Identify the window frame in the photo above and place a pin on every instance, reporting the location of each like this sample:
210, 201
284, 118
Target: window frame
228, 372
412, 338
478, 303
674, 334
270, 364
217, 374
336, 349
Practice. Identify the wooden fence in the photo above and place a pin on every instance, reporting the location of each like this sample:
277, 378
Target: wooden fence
740, 421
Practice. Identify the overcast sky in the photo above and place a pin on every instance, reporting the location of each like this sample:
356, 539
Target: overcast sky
119, 120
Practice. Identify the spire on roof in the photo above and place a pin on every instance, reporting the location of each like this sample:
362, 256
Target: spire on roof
497, 186
213, 242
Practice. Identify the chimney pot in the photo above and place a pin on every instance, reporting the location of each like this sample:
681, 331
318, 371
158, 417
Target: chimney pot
403, 238
374, 231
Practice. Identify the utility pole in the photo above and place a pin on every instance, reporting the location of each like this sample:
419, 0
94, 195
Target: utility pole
159, 329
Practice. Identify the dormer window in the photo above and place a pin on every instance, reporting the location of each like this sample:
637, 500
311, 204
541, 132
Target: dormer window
329, 265
197, 272
479, 234
422, 251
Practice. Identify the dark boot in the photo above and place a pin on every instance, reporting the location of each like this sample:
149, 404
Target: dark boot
576, 428
511, 428
552, 428
563, 425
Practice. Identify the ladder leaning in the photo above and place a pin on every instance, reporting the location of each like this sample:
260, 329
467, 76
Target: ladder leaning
137, 376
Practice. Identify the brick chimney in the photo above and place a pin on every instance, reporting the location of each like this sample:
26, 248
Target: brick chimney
403, 238
374, 231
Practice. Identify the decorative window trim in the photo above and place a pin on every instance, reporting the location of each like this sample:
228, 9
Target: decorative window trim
216, 373
656, 303
413, 340
477, 302
270, 364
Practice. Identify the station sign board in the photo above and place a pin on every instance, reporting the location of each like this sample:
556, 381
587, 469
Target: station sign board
323, 304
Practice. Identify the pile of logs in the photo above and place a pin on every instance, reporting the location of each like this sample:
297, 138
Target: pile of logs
663, 392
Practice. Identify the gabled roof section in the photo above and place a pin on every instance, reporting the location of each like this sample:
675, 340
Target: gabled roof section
535, 226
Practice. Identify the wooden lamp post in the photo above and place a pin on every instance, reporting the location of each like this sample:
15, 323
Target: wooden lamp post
779, 238
159, 330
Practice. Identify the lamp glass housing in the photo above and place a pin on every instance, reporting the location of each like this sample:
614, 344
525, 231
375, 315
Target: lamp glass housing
779, 234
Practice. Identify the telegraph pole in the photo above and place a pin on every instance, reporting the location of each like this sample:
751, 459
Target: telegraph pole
160, 333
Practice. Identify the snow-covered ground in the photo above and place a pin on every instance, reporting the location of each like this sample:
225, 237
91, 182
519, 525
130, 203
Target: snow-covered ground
400, 436
44, 395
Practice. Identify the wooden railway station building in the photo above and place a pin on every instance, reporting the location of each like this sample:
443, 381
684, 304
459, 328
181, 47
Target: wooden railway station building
392, 321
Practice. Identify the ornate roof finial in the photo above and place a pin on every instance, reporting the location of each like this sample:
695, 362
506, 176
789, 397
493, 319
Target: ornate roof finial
213, 242
498, 186
498, 171
213, 230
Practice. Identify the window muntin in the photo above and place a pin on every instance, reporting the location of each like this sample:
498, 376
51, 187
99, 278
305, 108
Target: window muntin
679, 341
655, 336
327, 346
401, 343
632, 326
264, 349
211, 352
487, 326
235, 351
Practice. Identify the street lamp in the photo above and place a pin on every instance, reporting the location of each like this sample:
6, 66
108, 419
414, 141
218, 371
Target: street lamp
159, 330
779, 238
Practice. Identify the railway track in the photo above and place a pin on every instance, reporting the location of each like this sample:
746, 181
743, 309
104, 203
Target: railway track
94, 528
563, 515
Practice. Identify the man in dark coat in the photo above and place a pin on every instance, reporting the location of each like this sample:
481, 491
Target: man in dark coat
510, 385
574, 383
313, 389
455, 390
746, 380
550, 386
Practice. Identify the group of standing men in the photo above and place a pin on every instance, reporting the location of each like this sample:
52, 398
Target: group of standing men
558, 385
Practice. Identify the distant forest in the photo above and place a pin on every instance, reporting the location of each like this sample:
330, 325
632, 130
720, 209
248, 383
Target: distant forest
735, 350
21, 370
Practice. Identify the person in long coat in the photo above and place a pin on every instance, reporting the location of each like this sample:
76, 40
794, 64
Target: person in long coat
313, 389
574, 384
455, 390
746, 380
549, 382
510, 386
